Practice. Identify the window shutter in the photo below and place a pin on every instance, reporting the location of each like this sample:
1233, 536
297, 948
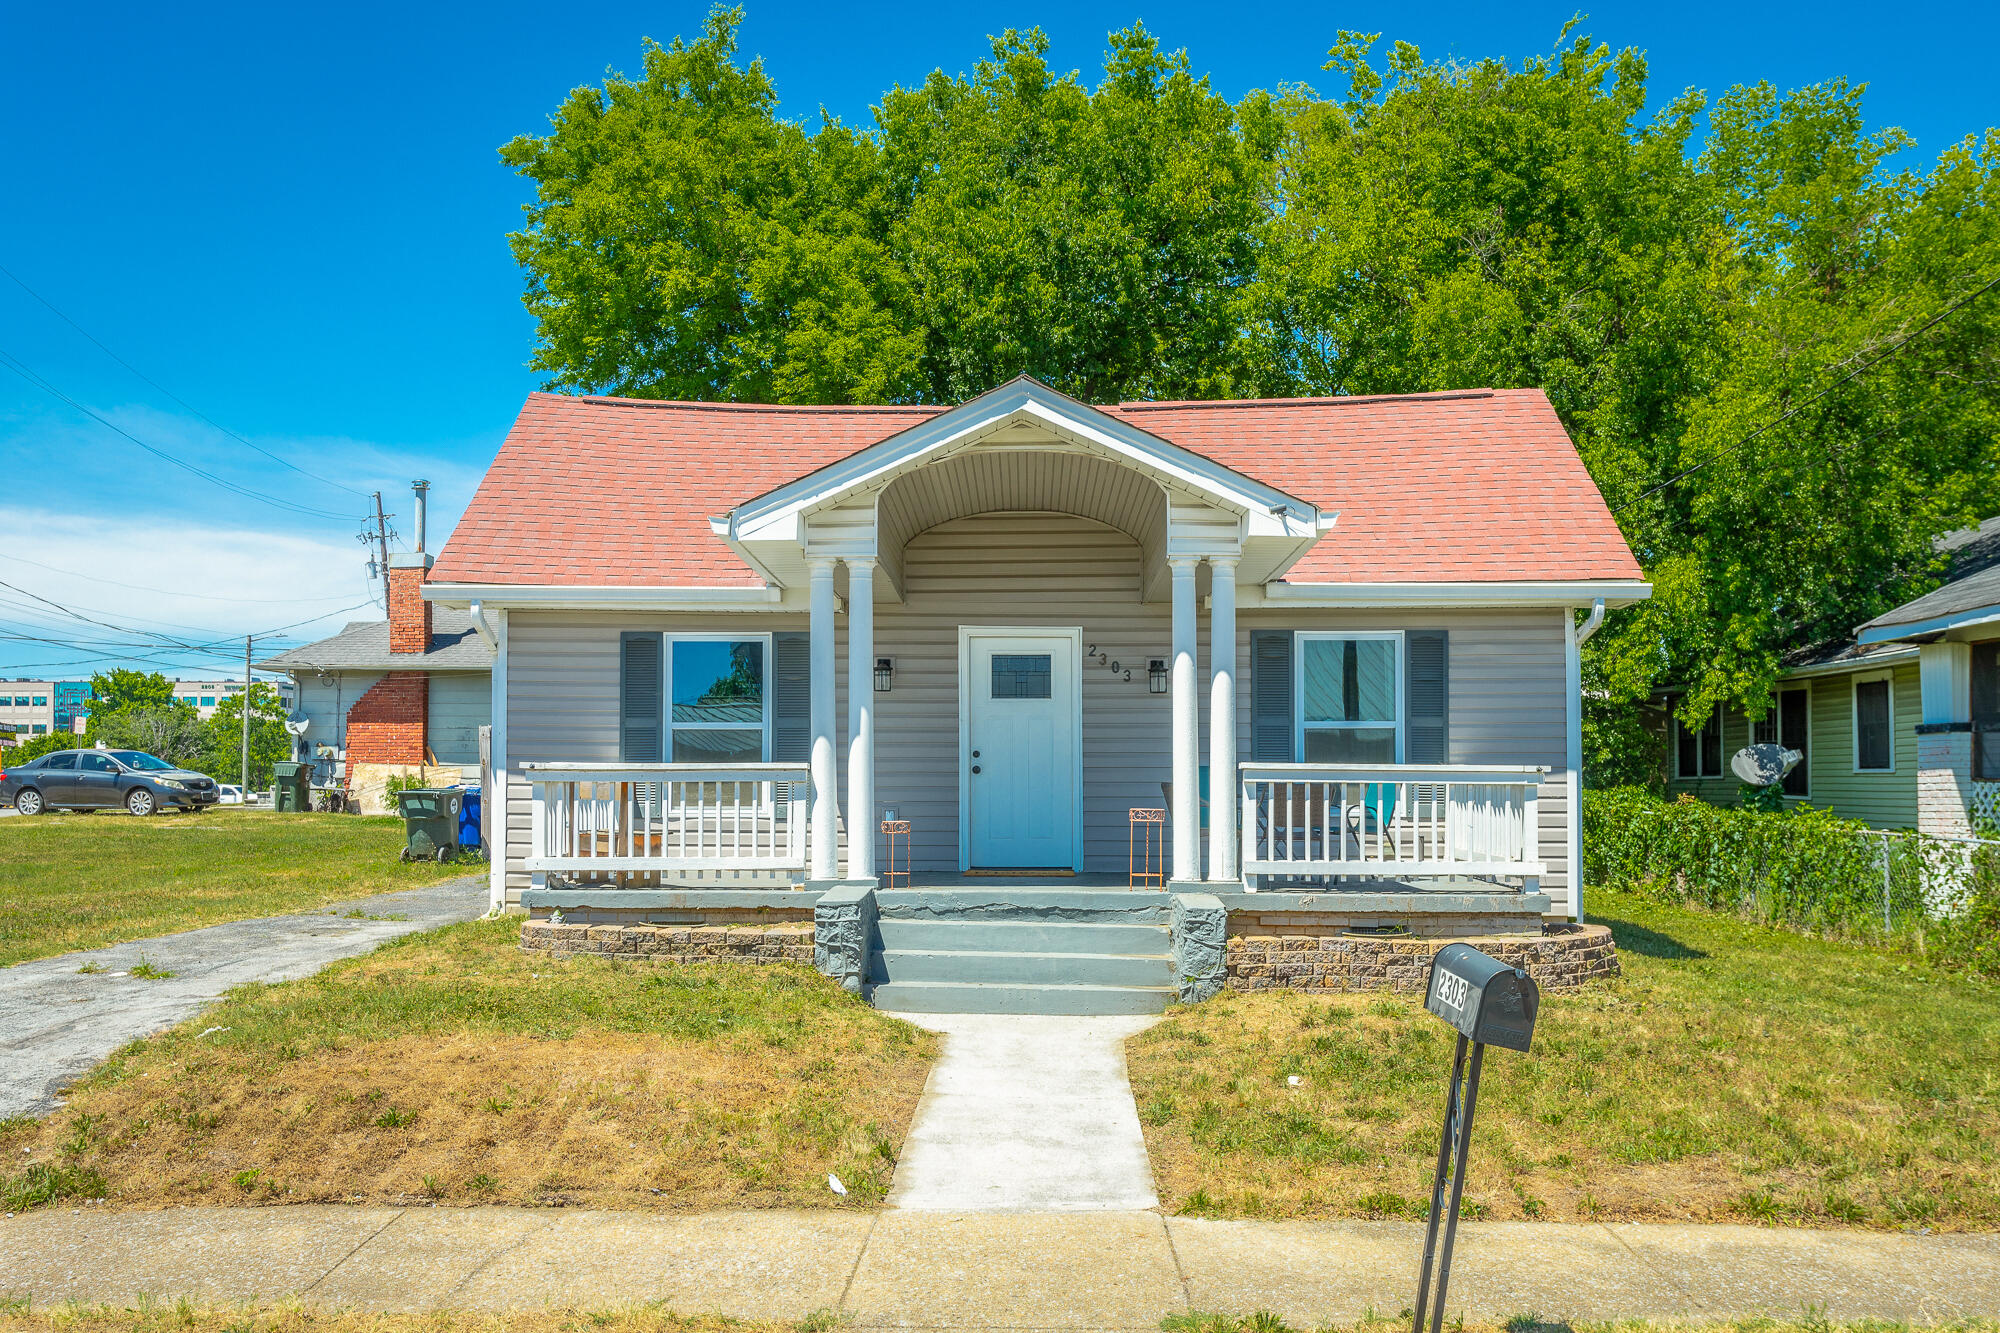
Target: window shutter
1271, 696
639, 698
1427, 697
791, 698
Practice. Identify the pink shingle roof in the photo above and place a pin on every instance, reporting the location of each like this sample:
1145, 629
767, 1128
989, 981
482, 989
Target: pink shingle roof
1481, 486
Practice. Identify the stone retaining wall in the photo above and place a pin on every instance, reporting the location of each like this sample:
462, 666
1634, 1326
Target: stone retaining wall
1306, 959
769, 942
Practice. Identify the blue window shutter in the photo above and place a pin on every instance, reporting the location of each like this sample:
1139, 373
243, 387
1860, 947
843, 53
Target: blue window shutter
1427, 697
1271, 696
791, 698
640, 687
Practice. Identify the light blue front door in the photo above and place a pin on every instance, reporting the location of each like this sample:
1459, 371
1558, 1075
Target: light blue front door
1021, 750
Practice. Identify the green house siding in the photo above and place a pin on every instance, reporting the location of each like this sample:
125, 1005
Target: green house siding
1883, 800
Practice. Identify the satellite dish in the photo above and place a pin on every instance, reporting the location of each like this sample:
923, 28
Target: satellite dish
1762, 765
297, 725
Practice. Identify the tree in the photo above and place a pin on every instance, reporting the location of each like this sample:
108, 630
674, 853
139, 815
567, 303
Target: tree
121, 688
174, 734
222, 748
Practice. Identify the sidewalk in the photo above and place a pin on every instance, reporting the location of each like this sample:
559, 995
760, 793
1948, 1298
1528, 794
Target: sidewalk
1093, 1270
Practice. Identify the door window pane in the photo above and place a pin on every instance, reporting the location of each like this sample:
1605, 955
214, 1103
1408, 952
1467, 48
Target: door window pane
1021, 675
718, 745
1351, 745
1873, 748
1350, 680
65, 761
718, 680
97, 763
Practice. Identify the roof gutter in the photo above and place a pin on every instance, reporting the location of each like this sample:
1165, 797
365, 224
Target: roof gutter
528, 596
1606, 592
1982, 615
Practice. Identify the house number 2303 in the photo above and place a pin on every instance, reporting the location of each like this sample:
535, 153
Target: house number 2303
1452, 990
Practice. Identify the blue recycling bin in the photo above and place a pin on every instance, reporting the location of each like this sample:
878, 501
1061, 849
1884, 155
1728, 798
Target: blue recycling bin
468, 819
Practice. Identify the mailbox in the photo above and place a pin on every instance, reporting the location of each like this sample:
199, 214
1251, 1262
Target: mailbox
1488, 1001
1490, 1004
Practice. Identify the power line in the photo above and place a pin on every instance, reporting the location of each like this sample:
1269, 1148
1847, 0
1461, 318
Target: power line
20, 368
169, 592
50, 305
1795, 409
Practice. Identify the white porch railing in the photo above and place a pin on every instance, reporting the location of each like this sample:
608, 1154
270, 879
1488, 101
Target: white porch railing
1391, 820
628, 818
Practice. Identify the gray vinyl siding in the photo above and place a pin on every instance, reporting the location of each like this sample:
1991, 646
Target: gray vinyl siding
1036, 570
1879, 799
461, 702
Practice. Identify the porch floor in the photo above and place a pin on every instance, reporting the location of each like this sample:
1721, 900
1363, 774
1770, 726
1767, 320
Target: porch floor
1096, 881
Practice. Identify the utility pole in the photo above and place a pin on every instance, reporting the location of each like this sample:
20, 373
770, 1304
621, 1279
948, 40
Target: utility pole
382, 542
246, 717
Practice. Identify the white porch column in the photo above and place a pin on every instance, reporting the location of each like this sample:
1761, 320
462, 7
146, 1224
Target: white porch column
501, 845
825, 774
1187, 725
1222, 844
860, 717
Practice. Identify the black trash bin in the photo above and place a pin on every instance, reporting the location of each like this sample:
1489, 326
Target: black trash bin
430, 823
291, 785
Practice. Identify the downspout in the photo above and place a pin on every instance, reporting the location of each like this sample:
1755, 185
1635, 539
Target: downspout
1574, 637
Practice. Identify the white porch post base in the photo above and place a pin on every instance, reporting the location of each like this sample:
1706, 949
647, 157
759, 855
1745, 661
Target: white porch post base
1186, 814
1222, 844
860, 717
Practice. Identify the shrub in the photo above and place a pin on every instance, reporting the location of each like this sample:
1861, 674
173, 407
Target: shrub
1803, 868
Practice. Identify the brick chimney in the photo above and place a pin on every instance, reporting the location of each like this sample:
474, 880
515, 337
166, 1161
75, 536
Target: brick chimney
409, 613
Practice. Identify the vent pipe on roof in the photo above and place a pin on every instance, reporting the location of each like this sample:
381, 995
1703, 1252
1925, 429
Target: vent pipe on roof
423, 490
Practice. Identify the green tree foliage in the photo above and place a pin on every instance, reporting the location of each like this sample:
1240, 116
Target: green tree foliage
121, 688
222, 742
1773, 351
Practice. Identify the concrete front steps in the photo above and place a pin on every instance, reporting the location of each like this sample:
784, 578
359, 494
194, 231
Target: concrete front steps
1022, 950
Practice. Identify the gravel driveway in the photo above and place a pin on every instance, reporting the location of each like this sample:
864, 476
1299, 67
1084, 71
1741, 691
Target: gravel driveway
56, 1022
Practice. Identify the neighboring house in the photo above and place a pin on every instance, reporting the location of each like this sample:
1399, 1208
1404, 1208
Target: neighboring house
205, 696
1900, 727
405, 694
27, 709
997, 621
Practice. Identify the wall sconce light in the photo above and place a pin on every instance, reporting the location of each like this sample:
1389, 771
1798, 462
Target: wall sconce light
885, 671
1156, 676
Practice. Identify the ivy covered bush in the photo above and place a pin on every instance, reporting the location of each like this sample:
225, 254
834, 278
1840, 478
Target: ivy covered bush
1802, 868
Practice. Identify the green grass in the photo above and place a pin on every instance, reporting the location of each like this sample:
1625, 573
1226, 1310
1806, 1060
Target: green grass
1736, 1073
451, 1065
82, 881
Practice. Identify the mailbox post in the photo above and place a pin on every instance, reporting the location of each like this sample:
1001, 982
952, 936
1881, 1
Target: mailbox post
1490, 1004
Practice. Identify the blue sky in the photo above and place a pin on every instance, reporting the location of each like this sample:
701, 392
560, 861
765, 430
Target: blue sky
291, 219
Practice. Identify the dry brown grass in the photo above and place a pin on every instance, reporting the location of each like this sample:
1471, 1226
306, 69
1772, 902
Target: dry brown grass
450, 1066
1736, 1073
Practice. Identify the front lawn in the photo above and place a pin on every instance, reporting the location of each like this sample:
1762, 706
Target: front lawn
451, 1066
78, 881
1735, 1073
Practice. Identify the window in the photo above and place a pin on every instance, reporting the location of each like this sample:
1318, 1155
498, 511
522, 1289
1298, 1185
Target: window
208, 701
20, 701
721, 712
40, 730
1787, 724
1698, 754
66, 761
1874, 728
1021, 675
41, 701
96, 763
1350, 692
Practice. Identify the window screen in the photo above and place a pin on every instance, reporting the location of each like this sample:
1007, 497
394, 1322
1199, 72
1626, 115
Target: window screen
1021, 675
1874, 744
1347, 699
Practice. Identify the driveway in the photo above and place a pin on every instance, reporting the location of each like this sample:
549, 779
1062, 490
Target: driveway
56, 1021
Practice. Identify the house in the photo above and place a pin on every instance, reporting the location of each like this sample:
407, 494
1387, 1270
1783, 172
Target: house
1899, 726
404, 695
734, 640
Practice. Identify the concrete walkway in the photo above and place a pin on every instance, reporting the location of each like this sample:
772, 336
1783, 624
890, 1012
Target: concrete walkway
1092, 1270
56, 1022
1026, 1114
